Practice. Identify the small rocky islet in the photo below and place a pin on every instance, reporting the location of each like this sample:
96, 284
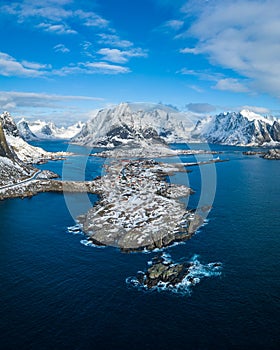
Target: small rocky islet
165, 274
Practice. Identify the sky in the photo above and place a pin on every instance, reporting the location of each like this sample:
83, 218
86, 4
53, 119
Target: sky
63, 59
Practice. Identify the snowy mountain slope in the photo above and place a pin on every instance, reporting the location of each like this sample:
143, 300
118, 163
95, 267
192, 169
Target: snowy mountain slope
12, 172
125, 122
24, 131
23, 150
243, 128
12, 169
48, 130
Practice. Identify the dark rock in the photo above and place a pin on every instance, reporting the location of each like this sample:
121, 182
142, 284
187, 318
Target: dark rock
252, 153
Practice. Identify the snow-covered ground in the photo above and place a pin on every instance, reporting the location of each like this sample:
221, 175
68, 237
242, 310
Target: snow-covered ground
12, 172
30, 154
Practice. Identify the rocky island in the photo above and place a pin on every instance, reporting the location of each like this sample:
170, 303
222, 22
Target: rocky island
138, 209
271, 154
165, 274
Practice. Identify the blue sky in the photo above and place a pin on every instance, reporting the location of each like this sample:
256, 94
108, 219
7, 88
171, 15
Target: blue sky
62, 59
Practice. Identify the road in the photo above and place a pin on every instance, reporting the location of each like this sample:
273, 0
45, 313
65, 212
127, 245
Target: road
33, 177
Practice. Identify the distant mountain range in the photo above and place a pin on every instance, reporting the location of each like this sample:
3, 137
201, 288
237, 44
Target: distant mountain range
32, 130
129, 123
126, 123
243, 128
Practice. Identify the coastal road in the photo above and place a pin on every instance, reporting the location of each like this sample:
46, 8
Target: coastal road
33, 177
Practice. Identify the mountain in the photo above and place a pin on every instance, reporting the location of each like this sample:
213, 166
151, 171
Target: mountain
243, 128
30, 130
22, 149
5, 150
130, 122
8, 125
25, 131
12, 169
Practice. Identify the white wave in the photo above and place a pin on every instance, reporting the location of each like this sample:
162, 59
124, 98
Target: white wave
75, 230
88, 243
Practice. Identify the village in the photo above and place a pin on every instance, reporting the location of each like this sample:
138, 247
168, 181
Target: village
138, 209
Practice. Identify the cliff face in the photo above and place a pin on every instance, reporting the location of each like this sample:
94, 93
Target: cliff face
5, 150
8, 124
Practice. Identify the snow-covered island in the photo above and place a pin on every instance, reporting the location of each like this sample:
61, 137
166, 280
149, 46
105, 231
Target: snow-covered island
138, 209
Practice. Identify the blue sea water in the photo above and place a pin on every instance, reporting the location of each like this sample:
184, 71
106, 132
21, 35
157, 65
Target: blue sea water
59, 294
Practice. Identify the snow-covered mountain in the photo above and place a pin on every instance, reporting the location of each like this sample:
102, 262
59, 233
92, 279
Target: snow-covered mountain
46, 130
128, 123
22, 149
131, 121
24, 131
12, 169
243, 128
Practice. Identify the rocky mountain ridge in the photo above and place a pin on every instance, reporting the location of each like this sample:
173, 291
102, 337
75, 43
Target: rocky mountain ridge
32, 130
126, 122
244, 128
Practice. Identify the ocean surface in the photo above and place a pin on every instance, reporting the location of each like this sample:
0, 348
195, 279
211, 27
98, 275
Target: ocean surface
57, 293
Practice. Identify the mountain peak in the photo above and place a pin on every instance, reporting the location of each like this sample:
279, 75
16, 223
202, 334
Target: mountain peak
8, 124
121, 124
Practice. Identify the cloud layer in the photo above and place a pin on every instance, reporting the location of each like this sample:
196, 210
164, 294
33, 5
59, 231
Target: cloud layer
239, 35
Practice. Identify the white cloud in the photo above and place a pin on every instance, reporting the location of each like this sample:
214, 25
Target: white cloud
61, 48
202, 74
36, 66
106, 68
241, 35
192, 50
56, 15
26, 10
230, 84
91, 19
113, 40
173, 24
56, 28
92, 68
256, 109
196, 88
59, 108
38, 100
9, 66
120, 56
